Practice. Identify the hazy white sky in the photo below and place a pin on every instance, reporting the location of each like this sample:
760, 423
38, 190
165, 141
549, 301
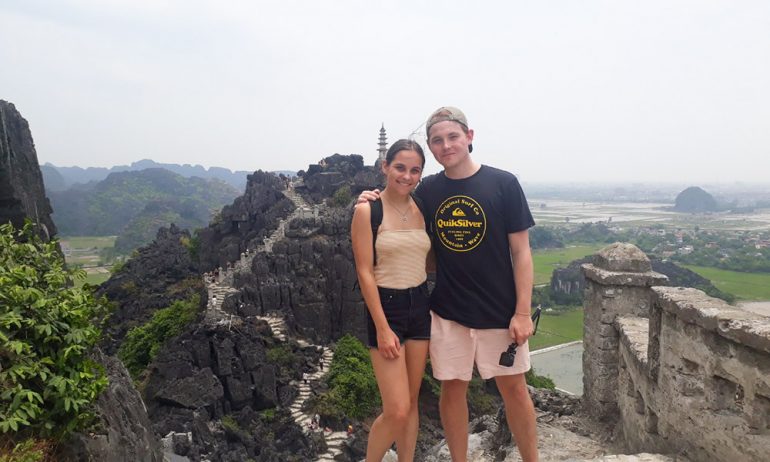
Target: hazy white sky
654, 90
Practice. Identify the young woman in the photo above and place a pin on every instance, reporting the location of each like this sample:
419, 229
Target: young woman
396, 295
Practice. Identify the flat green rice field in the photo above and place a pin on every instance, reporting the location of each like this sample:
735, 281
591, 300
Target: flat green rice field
88, 242
93, 278
745, 286
554, 329
547, 260
84, 251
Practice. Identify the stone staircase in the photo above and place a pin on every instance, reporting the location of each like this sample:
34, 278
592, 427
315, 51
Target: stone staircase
220, 285
334, 440
277, 326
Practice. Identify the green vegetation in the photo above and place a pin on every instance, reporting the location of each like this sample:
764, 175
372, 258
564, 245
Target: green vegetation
136, 204
282, 356
143, 342
88, 242
556, 328
95, 278
229, 423
745, 286
342, 197
28, 450
539, 381
547, 260
92, 253
46, 333
352, 386
267, 415
192, 244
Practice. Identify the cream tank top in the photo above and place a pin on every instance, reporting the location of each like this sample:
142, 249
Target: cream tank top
401, 255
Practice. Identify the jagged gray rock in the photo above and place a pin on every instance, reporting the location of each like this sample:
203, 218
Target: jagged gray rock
162, 273
124, 430
242, 225
22, 193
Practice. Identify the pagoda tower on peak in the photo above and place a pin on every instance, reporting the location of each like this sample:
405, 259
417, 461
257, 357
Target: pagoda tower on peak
383, 146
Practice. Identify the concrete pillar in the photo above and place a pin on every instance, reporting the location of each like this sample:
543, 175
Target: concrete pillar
315, 211
617, 283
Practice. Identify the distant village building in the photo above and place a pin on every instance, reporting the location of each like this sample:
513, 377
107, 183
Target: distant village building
382, 150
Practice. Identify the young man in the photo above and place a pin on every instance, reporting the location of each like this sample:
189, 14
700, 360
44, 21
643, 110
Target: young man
482, 300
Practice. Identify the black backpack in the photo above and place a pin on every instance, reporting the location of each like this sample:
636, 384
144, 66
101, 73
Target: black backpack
376, 220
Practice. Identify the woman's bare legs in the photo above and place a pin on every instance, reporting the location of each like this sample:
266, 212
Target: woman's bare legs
399, 383
416, 355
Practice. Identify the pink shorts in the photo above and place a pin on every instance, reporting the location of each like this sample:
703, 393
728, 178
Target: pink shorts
454, 348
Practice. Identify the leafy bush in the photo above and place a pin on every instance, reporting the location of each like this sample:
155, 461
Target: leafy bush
267, 415
192, 244
143, 342
46, 332
28, 450
229, 423
282, 356
342, 197
539, 381
353, 388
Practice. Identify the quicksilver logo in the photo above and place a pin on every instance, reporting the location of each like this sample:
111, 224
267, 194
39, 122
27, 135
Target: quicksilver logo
460, 223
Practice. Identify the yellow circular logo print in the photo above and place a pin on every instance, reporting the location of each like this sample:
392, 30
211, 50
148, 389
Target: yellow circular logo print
460, 223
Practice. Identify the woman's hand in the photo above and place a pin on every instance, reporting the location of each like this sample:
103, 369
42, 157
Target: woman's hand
388, 344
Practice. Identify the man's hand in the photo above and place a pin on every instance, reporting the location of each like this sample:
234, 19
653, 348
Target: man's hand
367, 196
521, 328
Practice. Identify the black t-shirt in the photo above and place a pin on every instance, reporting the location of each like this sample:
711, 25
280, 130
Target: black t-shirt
470, 222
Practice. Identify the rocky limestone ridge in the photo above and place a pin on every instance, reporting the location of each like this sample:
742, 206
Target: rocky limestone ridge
22, 193
160, 274
244, 224
123, 431
309, 278
216, 383
322, 180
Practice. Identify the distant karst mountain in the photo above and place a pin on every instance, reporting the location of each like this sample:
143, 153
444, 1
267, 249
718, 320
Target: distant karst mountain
695, 200
61, 178
134, 205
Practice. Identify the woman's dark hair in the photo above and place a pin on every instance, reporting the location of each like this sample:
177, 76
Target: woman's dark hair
404, 145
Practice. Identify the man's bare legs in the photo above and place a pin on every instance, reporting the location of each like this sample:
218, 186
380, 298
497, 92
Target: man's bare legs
520, 414
399, 418
453, 406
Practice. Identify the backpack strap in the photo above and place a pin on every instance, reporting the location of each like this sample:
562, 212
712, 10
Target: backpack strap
376, 220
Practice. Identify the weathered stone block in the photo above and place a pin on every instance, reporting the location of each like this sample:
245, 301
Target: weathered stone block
200, 389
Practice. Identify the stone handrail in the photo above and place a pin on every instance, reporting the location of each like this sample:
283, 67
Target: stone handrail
676, 370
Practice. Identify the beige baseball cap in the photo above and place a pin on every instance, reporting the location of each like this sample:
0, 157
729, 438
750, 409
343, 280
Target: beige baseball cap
446, 113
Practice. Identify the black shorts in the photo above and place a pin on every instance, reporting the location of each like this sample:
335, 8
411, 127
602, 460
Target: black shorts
407, 313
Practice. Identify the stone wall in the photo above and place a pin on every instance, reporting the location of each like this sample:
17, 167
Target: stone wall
677, 371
